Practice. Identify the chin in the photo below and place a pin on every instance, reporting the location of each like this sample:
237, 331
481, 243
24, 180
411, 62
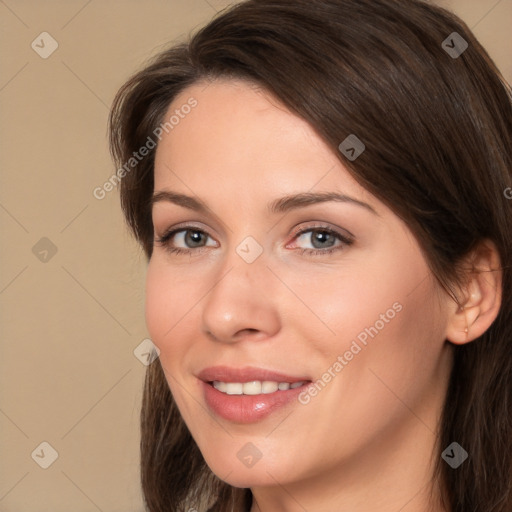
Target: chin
261, 474
247, 479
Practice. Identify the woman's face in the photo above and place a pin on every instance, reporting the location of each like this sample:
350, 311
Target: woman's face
277, 282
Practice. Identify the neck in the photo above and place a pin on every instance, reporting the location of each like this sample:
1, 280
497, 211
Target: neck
375, 482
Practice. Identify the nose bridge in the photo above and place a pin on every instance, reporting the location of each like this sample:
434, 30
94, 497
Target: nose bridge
241, 298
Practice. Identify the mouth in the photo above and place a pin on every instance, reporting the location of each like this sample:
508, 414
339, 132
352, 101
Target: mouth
248, 395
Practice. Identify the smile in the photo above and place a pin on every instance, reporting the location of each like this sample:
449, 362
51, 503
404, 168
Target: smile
254, 387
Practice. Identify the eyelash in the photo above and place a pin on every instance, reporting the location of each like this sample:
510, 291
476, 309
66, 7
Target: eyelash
166, 237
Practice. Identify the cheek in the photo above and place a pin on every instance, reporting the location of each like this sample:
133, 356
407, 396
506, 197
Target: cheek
401, 342
164, 307
384, 315
156, 298
346, 302
166, 314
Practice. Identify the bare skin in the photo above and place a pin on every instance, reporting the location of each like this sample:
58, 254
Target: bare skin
367, 440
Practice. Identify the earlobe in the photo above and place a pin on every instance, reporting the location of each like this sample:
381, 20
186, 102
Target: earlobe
481, 297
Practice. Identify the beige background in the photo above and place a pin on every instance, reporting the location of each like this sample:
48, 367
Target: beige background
69, 325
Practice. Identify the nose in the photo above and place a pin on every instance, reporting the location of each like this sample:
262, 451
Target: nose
241, 304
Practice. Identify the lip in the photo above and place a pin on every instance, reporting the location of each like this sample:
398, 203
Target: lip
247, 408
246, 374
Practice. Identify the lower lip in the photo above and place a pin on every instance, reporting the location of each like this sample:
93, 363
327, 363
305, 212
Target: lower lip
248, 408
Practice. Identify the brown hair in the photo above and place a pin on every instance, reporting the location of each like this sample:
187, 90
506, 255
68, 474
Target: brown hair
438, 134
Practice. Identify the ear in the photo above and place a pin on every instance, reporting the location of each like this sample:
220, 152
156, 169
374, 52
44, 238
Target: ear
480, 298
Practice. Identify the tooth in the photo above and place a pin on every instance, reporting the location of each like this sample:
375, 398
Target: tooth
234, 388
252, 388
220, 386
268, 386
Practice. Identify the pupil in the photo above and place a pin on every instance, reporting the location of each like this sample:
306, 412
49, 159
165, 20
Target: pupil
321, 237
194, 237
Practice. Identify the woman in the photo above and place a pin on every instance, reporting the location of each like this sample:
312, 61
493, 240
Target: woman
320, 190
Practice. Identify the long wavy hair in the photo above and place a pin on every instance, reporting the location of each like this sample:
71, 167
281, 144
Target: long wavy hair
436, 120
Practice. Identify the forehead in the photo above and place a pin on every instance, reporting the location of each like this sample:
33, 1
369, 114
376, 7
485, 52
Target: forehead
243, 141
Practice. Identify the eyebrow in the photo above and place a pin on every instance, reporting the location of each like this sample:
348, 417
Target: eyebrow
281, 205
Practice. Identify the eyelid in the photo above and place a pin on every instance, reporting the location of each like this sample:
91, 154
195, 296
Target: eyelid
184, 226
318, 225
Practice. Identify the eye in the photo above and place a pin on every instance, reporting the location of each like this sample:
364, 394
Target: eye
322, 240
188, 238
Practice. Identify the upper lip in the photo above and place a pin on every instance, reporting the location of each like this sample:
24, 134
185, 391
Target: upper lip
245, 374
